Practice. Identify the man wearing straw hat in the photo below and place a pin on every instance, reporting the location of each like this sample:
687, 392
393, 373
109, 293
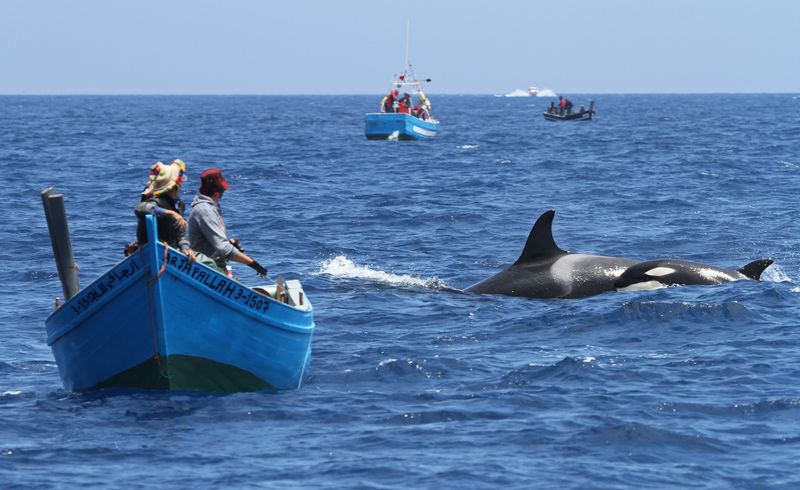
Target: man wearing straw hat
161, 198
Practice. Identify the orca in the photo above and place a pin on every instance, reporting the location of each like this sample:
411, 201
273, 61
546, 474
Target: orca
654, 274
544, 270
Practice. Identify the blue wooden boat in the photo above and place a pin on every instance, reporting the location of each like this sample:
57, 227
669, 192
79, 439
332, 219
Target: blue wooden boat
384, 125
157, 321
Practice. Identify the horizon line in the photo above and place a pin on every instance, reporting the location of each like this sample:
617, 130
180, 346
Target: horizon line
263, 94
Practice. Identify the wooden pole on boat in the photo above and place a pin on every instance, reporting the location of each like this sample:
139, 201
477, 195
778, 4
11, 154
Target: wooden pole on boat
56, 215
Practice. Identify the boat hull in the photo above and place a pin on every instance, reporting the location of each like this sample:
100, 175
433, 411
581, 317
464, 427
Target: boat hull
575, 116
187, 328
382, 126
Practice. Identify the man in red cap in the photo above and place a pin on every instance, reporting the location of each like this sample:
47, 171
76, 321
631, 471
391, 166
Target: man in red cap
207, 232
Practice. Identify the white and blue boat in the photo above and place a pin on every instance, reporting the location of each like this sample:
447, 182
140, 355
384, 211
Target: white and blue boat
403, 117
157, 321
399, 126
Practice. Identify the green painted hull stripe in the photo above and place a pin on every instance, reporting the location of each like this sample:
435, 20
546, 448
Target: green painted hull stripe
186, 373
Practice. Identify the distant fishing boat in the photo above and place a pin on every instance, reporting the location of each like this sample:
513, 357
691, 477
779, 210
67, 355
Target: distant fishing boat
580, 115
157, 321
533, 90
400, 116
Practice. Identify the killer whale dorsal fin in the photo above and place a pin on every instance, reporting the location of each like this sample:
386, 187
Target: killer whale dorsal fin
540, 240
754, 269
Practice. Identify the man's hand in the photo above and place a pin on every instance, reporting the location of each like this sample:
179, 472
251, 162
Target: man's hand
260, 269
190, 253
180, 223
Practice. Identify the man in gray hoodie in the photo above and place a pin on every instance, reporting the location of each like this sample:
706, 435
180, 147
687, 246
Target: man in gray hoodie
207, 232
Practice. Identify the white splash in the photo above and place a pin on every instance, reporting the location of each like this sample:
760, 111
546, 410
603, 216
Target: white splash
469, 147
394, 136
546, 93
386, 361
342, 267
518, 93
775, 273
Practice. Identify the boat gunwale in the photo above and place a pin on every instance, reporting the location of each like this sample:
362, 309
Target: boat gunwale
261, 317
67, 327
586, 116
70, 325
431, 121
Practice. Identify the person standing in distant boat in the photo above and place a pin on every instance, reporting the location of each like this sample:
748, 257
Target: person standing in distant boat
161, 198
419, 112
207, 228
426, 104
561, 105
552, 108
390, 101
405, 104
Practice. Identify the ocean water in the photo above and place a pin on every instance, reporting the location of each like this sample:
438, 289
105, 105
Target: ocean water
415, 384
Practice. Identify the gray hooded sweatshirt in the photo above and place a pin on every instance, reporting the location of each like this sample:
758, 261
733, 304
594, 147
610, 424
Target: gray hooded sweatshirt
207, 230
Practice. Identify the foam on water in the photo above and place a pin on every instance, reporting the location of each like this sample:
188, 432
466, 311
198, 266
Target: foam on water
546, 93
518, 93
775, 273
342, 267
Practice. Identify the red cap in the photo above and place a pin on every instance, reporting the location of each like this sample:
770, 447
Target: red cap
212, 181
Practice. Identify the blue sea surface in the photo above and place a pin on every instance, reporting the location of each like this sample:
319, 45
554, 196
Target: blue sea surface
413, 383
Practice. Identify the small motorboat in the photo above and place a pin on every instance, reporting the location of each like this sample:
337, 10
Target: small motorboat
157, 321
580, 115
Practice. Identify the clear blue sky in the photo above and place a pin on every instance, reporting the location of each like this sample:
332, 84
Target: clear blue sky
353, 47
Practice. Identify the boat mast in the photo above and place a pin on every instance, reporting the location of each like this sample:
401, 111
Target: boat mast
408, 30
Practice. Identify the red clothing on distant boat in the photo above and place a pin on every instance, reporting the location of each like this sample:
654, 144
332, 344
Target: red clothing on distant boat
388, 104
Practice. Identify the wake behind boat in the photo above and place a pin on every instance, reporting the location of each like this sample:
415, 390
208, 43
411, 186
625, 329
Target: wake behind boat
155, 320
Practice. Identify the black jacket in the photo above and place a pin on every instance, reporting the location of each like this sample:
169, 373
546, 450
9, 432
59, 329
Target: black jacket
167, 232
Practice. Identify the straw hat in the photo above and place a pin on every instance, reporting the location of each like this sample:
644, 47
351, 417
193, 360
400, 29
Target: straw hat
163, 177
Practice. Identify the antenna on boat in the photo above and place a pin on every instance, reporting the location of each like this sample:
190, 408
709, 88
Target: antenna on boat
408, 30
